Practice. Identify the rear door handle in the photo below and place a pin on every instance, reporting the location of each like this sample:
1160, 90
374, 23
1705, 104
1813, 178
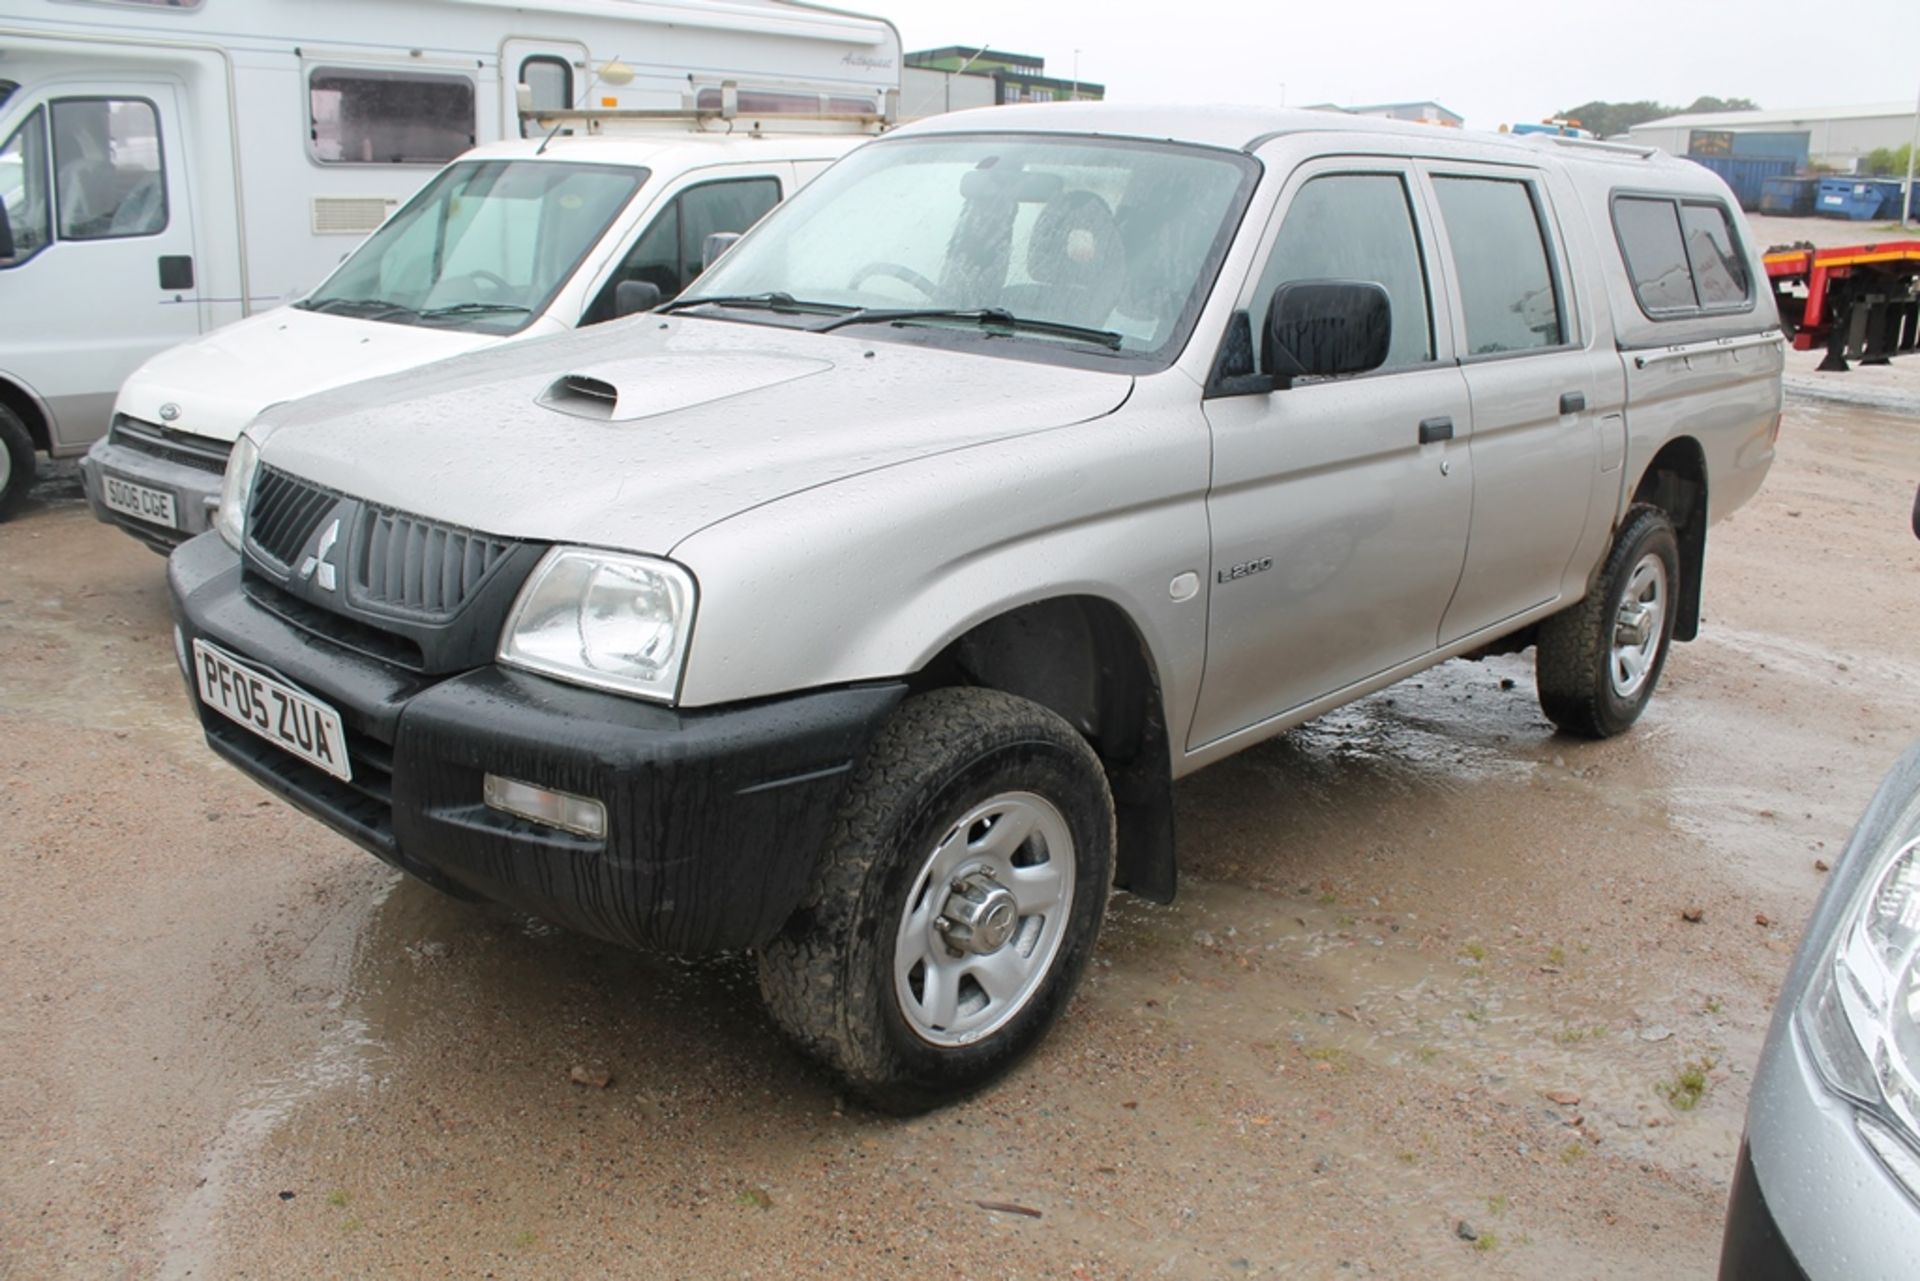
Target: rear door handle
1432, 429
1573, 402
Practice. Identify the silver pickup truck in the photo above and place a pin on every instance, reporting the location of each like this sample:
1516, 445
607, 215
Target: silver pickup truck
862, 607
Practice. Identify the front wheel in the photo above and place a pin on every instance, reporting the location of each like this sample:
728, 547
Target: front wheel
1597, 663
16, 462
956, 904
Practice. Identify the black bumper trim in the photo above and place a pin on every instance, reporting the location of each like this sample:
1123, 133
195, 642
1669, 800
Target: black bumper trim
715, 816
1753, 1248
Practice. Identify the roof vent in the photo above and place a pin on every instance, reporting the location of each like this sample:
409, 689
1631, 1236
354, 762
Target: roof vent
582, 396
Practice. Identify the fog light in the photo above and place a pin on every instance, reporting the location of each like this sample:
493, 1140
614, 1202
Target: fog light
569, 813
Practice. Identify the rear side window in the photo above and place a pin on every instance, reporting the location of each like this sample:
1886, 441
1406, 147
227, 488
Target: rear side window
1682, 255
388, 117
1507, 284
1356, 227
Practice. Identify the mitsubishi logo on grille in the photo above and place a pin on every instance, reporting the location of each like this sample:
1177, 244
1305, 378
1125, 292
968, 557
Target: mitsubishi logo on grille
317, 566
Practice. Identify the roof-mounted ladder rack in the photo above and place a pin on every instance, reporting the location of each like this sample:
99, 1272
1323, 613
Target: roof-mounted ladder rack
727, 117
1636, 149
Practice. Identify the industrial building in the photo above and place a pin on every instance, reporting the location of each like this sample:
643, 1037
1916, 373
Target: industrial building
960, 76
1422, 113
1836, 138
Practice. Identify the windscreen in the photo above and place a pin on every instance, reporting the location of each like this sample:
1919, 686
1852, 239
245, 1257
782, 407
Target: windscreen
1116, 236
484, 247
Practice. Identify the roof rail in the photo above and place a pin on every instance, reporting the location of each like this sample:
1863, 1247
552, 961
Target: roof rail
715, 108
1638, 149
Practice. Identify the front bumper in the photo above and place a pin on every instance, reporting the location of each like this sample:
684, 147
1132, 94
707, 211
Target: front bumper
1810, 1199
715, 818
194, 486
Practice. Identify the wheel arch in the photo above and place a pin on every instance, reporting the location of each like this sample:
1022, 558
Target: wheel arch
1083, 658
27, 408
1675, 481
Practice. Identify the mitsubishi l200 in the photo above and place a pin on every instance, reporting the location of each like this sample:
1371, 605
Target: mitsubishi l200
861, 607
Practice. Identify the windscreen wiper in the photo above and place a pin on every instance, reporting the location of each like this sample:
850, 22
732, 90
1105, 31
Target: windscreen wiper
471, 309
361, 306
774, 300
985, 317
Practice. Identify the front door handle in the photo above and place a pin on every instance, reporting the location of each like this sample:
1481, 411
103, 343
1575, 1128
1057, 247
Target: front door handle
176, 271
1432, 429
1573, 402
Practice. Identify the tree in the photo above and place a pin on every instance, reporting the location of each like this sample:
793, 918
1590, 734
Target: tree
1887, 161
1609, 118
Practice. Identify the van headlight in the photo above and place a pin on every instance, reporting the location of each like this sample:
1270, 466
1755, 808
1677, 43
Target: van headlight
612, 621
236, 491
1860, 1016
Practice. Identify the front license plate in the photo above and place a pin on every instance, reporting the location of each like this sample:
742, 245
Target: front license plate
142, 502
275, 711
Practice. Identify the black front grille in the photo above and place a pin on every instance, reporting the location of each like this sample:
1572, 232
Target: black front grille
349, 633
405, 563
284, 513
174, 446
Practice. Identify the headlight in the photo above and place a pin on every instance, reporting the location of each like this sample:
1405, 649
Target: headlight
1860, 1016
604, 619
236, 491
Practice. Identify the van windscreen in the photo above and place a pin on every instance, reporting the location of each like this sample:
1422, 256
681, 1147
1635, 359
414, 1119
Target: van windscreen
484, 247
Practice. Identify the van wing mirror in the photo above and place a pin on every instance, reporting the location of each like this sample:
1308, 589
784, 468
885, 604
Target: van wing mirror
1324, 328
715, 245
631, 297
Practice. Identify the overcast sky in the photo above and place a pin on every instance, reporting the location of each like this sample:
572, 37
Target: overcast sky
1493, 61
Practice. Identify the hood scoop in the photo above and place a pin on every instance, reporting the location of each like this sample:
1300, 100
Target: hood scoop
582, 396
645, 386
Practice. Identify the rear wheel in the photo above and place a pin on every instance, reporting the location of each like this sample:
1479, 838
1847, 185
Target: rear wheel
16, 462
1597, 663
956, 905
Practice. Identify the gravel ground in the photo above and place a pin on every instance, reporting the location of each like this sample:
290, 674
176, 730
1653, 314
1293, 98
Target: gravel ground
1429, 967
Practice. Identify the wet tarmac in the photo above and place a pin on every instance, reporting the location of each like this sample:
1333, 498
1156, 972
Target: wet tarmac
1429, 966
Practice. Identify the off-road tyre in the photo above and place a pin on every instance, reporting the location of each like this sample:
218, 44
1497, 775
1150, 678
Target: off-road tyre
16, 467
1574, 655
828, 980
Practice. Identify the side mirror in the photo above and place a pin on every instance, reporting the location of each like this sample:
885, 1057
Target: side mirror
1324, 328
631, 297
6, 234
715, 245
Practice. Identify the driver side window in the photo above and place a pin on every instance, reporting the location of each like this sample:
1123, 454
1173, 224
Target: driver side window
1356, 226
668, 253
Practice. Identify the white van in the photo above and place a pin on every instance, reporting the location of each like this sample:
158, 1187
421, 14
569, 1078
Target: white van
512, 240
171, 166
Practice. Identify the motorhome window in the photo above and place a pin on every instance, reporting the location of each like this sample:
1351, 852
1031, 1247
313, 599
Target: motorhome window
484, 247
772, 102
109, 180
1120, 236
668, 254
1656, 254
1507, 285
1355, 226
1719, 270
388, 117
23, 188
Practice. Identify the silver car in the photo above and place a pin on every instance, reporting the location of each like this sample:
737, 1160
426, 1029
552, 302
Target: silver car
1828, 1180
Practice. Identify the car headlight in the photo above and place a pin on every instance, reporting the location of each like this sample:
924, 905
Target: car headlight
236, 491
605, 619
1860, 1013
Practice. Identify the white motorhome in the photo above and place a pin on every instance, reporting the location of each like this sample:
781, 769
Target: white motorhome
171, 166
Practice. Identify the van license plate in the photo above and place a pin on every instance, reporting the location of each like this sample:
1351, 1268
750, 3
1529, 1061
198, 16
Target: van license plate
142, 502
275, 711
